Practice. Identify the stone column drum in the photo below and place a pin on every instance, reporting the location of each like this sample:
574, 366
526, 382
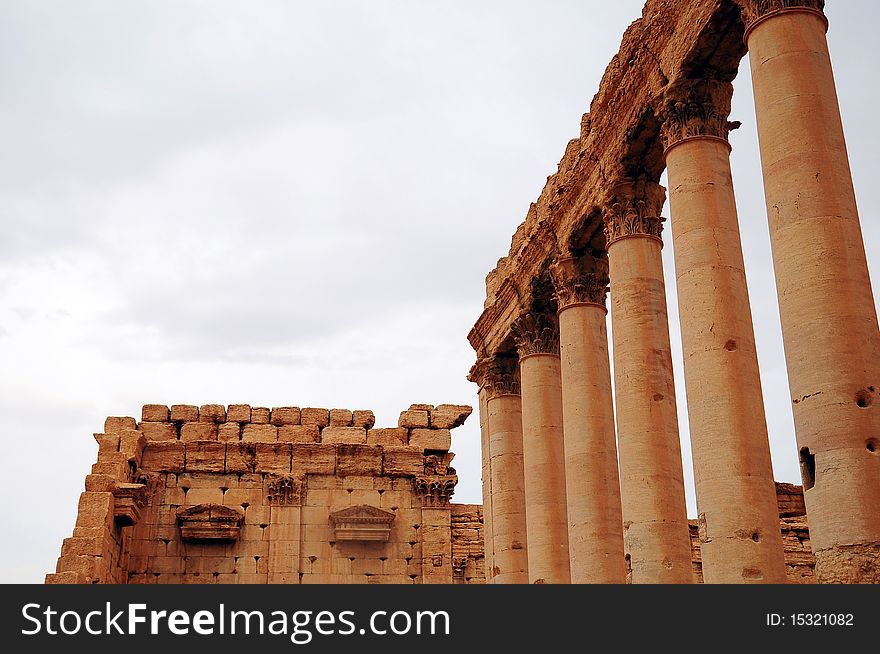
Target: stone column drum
829, 321
488, 544
537, 337
652, 486
740, 538
592, 483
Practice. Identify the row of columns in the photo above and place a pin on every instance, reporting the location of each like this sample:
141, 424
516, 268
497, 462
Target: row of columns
563, 505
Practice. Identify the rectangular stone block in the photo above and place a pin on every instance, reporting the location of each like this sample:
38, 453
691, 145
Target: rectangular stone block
158, 431
403, 461
259, 434
229, 432
100, 483
205, 456
260, 415
163, 456
340, 418
431, 439
241, 457
107, 443
351, 435
212, 413
66, 578
388, 436
95, 510
358, 460
131, 443
155, 413
363, 418
414, 418
184, 413
449, 416
198, 431
316, 459
299, 434
312, 416
114, 424
273, 457
285, 415
238, 413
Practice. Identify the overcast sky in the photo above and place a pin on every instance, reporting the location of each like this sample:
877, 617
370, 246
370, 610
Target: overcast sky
296, 203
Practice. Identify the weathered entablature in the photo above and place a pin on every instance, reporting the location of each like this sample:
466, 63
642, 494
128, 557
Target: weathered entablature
664, 104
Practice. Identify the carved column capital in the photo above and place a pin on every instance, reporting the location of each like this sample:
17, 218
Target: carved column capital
694, 108
580, 281
497, 375
435, 490
634, 210
755, 10
536, 333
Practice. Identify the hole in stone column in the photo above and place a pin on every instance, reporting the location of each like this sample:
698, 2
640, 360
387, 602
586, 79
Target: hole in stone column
756, 537
658, 397
873, 446
808, 468
730, 345
864, 399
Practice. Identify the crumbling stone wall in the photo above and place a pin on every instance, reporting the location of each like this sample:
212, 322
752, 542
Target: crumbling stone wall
245, 494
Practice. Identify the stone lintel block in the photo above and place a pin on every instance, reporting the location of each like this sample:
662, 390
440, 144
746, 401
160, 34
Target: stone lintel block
299, 434
155, 413
116, 424
260, 415
205, 456
431, 439
394, 436
131, 443
273, 458
164, 456
450, 416
238, 413
117, 469
215, 413
198, 431
95, 510
184, 413
240, 457
71, 577
229, 432
100, 483
352, 435
363, 418
414, 418
358, 460
340, 418
259, 433
83, 547
107, 443
421, 407
403, 461
286, 415
158, 431
314, 458
312, 416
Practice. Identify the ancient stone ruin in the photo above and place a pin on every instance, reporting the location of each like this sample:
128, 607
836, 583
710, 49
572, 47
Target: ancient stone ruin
558, 480
576, 489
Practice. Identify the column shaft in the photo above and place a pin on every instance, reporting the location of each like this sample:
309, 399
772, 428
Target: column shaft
736, 494
826, 305
544, 469
595, 523
510, 564
488, 544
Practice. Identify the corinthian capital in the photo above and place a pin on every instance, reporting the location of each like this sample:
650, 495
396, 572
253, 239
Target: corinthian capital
536, 333
634, 210
754, 10
497, 375
696, 108
580, 281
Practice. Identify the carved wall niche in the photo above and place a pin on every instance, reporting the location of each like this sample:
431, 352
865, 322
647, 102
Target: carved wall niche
361, 523
128, 500
209, 522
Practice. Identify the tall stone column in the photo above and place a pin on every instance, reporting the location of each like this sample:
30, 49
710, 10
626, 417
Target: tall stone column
488, 542
537, 338
829, 321
592, 483
505, 426
656, 534
740, 536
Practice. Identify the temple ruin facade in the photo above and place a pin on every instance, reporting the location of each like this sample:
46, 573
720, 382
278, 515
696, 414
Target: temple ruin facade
558, 481
580, 484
